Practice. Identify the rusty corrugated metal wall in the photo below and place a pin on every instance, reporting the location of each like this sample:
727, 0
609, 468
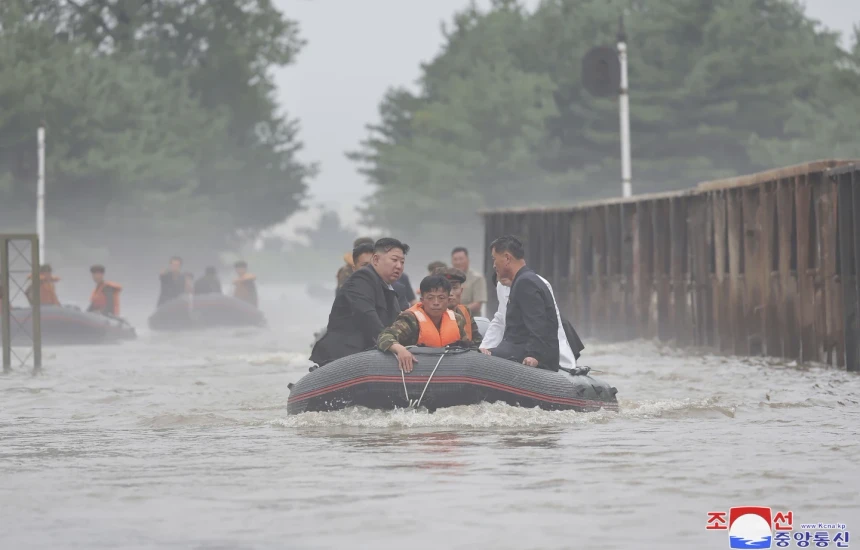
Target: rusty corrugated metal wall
757, 265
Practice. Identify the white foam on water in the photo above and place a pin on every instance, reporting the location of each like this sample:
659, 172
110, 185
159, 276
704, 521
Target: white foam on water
497, 415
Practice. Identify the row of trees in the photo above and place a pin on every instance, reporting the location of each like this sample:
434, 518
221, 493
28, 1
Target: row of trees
718, 88
161, 117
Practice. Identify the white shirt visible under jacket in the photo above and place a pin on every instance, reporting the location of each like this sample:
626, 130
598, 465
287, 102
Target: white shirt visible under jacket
496, 330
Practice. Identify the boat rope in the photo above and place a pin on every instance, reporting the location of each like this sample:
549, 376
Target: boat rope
431, 378
412, 403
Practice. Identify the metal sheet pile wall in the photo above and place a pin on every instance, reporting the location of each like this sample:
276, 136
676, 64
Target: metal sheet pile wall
758, 265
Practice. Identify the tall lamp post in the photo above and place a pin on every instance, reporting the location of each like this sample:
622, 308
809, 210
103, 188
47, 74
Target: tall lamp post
624, 112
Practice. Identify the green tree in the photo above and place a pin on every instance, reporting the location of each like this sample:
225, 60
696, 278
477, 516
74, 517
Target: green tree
115, 129
472, 140
718, 88
163, 110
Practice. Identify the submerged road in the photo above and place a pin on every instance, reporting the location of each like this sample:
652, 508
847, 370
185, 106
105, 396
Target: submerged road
182, 441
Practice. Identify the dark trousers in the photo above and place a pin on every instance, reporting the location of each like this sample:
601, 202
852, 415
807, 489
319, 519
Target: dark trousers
516, 353
510, 351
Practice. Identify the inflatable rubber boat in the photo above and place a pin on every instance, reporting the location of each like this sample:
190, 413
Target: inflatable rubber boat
444, 378
69, 325
200, 311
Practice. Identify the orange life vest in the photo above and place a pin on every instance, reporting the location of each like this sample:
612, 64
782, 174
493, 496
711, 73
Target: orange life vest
429, 335
468, 315
244, 289
47, 291
99, 301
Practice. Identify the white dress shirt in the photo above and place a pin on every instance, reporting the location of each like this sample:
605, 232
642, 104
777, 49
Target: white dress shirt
496, 330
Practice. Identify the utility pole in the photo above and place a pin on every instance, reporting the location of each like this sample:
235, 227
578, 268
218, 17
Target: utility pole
40, 195
624, 112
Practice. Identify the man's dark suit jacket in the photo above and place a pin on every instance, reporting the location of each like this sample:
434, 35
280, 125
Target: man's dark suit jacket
362, 308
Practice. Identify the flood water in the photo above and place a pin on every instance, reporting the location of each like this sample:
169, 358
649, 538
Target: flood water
184, 442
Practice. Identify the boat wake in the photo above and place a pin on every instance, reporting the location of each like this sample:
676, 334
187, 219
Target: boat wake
498, 415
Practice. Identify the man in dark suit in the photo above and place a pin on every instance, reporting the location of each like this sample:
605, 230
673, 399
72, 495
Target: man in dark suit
364, 306
531, 322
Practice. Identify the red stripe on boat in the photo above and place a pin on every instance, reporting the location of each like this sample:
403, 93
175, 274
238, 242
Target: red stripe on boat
454, 380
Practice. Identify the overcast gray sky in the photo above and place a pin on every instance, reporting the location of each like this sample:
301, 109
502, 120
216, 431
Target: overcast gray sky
357, 49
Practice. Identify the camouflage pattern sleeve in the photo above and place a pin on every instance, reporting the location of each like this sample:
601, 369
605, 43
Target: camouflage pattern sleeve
461, 323
476, 334
403, 331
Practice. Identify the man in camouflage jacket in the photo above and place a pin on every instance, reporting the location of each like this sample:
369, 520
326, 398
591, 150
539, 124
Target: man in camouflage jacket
457, 278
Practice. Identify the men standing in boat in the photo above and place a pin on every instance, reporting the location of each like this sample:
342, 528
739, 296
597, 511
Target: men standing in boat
105, 297
429, 323
457, 278
245, 285
172, 281
47, 288
475, 287
208, 283
349, 265
364, 306
531, 323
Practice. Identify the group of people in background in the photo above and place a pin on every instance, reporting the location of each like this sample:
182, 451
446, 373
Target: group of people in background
375, 306
175, 282
105, 298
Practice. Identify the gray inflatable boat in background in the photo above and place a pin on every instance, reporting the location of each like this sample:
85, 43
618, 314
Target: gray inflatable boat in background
69, 325
201, 311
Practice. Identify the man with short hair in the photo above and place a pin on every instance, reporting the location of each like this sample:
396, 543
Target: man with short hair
364, 306
531, 323
209, 283
475, 287
172, 281
429, 323
457, 278
433, 266
362, 255
105, 297
245, 284
349, 266
568, 346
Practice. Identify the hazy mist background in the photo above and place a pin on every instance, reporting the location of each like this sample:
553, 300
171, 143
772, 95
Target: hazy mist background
356, 50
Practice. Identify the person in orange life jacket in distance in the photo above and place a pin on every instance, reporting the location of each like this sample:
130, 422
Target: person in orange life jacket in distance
245, 285
428, 323
105, 297
457, 278
47, 290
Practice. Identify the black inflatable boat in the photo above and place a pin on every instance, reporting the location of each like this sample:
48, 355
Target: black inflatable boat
69, 325
372, 379
205, 311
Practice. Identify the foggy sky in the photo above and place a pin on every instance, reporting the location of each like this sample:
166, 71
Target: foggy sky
356, 50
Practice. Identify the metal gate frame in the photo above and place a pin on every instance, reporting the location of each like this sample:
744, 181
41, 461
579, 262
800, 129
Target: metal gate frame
10, 251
